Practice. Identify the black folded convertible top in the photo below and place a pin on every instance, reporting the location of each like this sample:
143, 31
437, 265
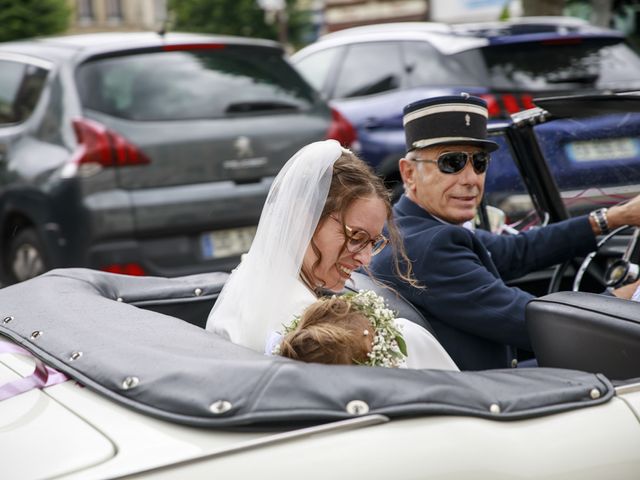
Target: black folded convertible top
165, 367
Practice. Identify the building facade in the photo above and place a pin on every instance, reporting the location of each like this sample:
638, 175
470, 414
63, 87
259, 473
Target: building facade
341, 14
101, 15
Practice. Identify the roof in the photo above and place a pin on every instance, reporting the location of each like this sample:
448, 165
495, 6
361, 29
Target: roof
85, 45
163, 366
451, 39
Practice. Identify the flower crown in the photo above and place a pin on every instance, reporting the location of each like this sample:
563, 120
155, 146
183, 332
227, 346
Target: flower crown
389, 348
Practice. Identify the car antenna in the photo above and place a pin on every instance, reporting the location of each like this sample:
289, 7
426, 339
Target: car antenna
166, 25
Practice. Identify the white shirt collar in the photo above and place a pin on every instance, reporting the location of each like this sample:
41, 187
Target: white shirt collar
467, 225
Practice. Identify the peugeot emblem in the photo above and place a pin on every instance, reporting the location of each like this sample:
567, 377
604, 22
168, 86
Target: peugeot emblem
243, 147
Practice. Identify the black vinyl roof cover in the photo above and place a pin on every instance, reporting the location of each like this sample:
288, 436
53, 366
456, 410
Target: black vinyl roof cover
191, 376
580, 106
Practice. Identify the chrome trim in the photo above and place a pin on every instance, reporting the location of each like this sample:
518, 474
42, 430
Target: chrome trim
342, 425
532, 116
631, 388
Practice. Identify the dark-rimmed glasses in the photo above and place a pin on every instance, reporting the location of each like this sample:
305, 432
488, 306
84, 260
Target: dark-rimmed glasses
357, 240
454, 162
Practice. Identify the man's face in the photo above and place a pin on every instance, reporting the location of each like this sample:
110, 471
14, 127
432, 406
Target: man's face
453, 197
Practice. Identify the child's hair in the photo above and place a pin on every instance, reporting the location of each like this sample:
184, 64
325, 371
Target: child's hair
330, 331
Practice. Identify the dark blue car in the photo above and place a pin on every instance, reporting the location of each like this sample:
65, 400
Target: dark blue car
370, 73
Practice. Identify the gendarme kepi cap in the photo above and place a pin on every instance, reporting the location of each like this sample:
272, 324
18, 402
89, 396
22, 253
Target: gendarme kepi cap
447, 120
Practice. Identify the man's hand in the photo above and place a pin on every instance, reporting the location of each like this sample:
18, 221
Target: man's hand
626, 291
627, 214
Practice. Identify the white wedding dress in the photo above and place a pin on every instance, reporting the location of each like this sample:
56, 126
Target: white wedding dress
265, 290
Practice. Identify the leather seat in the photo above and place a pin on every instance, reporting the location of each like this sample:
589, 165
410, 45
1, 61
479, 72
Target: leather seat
586, 331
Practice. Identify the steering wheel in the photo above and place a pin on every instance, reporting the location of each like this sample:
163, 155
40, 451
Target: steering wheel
620, 272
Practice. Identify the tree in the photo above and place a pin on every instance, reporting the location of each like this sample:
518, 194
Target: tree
234, 17
601, 10
32, 18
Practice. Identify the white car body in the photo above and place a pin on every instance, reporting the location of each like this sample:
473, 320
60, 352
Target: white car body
72, 430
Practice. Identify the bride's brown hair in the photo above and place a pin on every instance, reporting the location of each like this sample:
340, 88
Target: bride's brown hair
330, 331
353, 179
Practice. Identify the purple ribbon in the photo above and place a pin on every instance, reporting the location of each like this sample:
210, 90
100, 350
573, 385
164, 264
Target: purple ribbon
42, 376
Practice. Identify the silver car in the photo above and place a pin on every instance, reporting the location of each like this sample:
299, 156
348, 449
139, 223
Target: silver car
144, 154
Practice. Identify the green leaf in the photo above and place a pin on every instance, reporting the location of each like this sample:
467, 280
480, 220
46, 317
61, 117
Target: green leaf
402, 345
29, 18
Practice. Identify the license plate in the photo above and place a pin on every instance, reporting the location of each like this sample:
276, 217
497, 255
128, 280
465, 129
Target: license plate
610, 149
227, 243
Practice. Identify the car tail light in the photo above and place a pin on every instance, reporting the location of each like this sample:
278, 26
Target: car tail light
510, 104
193, 46
341, 129
100, 146
124, 268
492, 105
506, 104
527, 101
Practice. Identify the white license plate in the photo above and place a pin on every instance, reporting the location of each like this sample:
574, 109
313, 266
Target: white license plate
610, 149
227, 243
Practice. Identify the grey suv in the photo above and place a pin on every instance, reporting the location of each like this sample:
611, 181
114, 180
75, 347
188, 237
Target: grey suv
144, 154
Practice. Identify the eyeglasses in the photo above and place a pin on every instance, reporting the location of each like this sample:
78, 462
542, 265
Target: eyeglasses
357, 240
454, 162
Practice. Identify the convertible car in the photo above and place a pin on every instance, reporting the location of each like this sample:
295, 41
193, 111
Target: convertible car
105, 375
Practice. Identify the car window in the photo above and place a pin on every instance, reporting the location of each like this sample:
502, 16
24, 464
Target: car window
426, 66
20, 88
315, 68
202, 83
581, 63
369, 68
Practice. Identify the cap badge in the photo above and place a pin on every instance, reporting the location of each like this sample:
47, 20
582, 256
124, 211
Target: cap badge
467, 120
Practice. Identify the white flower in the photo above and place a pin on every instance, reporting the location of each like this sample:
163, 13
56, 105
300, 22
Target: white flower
388, 346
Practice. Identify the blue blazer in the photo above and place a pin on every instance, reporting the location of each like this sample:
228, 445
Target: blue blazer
475, 315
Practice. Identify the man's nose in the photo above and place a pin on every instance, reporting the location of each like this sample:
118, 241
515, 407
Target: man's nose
468, 175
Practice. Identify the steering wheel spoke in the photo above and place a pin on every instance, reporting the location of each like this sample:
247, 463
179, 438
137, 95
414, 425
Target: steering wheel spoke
596, 265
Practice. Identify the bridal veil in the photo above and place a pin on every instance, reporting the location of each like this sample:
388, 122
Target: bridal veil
254, 301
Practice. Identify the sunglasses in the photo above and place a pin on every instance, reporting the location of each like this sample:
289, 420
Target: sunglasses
358, 240
454, 162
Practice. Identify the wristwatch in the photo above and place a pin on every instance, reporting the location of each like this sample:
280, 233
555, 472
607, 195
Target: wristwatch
600, 217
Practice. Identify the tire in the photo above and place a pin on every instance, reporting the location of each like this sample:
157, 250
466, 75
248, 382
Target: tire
25, 256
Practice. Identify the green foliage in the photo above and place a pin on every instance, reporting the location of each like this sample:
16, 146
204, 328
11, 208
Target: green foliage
504, 13
234, 17
32, 18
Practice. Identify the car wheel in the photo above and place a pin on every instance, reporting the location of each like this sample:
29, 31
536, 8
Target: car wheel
25, 257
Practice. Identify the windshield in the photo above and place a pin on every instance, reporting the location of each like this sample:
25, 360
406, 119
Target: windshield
181, 85
594, 160
562, 64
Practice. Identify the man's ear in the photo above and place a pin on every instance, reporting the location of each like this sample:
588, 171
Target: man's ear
408, 173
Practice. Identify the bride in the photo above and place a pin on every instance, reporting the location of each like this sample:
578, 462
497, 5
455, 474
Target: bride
323, 219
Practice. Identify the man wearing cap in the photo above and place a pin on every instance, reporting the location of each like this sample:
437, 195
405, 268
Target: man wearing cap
476, 316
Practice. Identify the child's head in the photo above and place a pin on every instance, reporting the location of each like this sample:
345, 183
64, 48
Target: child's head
330, 331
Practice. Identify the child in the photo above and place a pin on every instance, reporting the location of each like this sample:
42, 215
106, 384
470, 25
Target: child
346, 329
